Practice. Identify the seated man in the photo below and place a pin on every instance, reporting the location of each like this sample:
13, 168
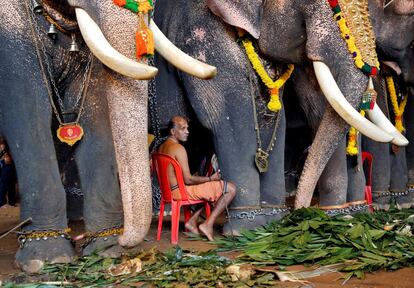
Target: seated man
198, 187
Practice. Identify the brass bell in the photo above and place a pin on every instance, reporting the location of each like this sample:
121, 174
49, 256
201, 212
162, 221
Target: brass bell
52, 31
73, 45
37, 7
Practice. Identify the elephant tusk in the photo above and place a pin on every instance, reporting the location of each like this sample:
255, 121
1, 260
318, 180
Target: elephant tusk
339, 103
384, 123
178, 58
101, 48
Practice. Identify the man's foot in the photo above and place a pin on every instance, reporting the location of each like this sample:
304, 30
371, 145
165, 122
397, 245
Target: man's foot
206, 231
192, 228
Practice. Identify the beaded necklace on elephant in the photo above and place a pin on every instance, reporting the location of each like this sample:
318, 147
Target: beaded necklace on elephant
69, 132
353, 19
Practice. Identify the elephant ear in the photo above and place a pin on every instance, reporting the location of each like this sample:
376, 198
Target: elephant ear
239, 13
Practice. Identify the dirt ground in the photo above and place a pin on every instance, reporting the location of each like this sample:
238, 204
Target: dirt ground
9, 217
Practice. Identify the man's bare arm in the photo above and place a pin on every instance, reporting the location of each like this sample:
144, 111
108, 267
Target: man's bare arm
181, 156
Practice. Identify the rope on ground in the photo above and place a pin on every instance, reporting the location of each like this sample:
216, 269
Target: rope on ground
15, 227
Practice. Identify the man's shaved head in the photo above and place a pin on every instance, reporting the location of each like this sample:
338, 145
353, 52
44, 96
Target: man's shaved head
178, 128
175, 120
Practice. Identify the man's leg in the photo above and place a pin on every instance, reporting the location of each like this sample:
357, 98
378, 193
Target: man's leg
207, 226
191, 224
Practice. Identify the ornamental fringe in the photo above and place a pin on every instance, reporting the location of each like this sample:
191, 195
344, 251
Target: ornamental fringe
350, 41
352, 147
398, 109
274, 104
144, 40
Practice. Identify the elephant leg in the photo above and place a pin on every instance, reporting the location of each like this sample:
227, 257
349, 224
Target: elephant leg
26, 124
409, 126
381, 174
272, 183
97, 167
398, 183
356, 182
236, 164
333, 183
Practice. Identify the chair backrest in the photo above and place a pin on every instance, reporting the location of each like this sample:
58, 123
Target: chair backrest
368, 156
160, 163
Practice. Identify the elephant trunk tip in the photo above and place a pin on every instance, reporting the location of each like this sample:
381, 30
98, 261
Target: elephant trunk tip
130, 239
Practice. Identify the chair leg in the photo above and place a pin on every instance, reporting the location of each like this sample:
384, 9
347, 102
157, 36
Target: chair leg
160, 218
208, 209
187, 214
368, 197
175, 221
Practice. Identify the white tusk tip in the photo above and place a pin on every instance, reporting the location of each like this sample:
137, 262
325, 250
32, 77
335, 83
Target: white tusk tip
399, 139
210, 73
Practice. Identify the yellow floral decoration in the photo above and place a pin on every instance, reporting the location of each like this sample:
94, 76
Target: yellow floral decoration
352, 147
398, 109
274, 103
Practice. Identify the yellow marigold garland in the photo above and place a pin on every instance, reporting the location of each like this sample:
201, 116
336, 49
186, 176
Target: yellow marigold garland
398, 109
274, 103
352, 147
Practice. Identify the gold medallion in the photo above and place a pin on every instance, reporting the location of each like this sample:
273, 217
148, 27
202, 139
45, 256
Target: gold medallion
70, 133
262, 160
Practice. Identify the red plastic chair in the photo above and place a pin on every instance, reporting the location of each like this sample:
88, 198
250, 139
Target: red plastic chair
160, 163
368, 186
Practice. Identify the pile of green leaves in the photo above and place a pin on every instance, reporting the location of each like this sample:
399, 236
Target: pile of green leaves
365, 242
175, 268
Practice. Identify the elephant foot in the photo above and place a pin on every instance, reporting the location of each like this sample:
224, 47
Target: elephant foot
249, 218
410, 192
349, 208
403, 199
104, 243
38, 247
357, 207
381, 200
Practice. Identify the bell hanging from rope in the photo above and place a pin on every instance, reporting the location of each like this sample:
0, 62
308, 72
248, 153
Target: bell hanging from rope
37, 7
52, 31
73, 45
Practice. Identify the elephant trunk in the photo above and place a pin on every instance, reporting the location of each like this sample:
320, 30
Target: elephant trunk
330, 132
129, 128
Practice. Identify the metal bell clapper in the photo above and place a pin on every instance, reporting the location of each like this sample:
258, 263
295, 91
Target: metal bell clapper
37, 7
73, 45
52, 31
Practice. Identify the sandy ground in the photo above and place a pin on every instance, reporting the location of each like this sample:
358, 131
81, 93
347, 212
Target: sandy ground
8, 246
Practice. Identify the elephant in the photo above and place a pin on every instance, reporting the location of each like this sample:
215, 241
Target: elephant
40, 78
389, 171
298, 32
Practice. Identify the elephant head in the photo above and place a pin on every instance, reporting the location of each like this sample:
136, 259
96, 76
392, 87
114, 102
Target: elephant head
296, 31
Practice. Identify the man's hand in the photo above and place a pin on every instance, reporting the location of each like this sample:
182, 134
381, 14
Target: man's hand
216, 176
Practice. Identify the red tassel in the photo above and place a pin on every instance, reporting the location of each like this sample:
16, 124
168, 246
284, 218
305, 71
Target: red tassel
141, 46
